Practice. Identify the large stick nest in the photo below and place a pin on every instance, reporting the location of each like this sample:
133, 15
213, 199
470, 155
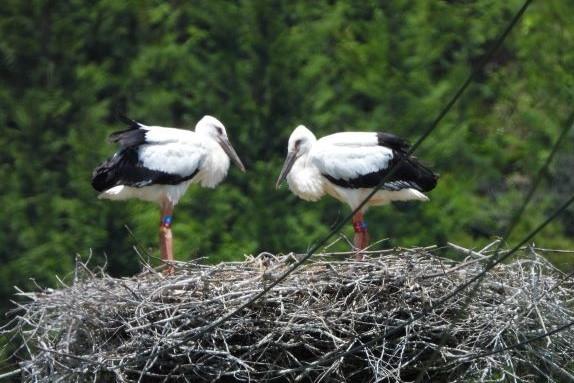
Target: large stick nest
152, 327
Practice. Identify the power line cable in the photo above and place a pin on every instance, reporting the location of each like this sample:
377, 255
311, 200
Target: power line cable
509, 229
520, 344
479, 68
391, 172
455, 292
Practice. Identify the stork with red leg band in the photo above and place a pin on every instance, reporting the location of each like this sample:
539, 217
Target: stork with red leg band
352, 166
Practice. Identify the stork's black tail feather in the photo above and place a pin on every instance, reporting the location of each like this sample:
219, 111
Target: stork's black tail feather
101, 177
394, 142
423, 177
409, 170
105, 175
129, 122
132, 136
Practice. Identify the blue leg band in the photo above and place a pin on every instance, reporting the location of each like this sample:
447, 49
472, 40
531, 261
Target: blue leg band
166, 221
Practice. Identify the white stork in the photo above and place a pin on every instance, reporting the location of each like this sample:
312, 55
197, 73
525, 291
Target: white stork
158, 164
348, 166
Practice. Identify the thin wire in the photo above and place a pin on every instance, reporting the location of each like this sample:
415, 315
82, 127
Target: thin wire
561, 373
391, 172
426, 310
513, 223
516, 218
519, 344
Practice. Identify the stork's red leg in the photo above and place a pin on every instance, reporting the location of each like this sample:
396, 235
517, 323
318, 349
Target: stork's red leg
165, 236
361, 239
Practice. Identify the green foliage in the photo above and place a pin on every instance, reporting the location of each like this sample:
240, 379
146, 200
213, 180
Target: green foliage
262, 67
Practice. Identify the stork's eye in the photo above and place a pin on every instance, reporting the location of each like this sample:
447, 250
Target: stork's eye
219, 130
298, 143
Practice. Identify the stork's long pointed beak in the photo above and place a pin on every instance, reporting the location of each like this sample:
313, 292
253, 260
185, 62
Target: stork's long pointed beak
289, 161
228, 149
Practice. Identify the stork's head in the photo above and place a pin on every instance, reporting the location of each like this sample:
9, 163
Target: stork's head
300, 143
213, 128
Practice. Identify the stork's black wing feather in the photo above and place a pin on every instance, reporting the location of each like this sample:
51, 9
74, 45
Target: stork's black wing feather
408, 174
124, 168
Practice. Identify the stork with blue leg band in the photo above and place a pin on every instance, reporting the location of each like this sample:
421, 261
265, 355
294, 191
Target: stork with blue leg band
165, 236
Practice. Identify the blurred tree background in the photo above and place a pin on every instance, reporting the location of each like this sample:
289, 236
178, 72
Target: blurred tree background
262, 67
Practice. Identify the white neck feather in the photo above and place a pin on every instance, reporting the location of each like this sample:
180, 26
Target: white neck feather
214, 168
305, 180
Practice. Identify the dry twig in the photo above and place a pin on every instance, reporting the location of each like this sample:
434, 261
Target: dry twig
104, 329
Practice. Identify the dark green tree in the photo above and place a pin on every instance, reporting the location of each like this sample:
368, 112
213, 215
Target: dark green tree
68, 68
